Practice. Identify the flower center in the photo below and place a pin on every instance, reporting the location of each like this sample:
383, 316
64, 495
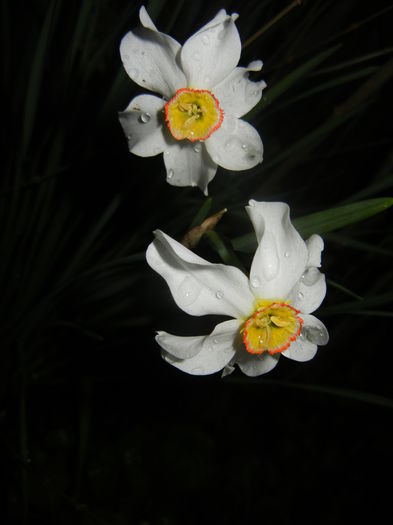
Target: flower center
193, 114
271, 328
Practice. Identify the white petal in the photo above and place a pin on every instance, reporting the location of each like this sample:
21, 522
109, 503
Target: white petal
236, 145
309, 291
145, 19
197, 286
236, 94
189, 164
314, 330
149, 57
211, 53
256, 365
218, 349
142, 123
281, 255
315, 247
300, 350
178, 346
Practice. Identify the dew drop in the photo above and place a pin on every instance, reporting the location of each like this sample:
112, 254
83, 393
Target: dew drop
134, 73
300, 296
287, 254
215, 341
205, 40
198, 147
230, 144
144, 118
167, 152
255, 282
219, 294
311, 276
192, 133
129, 137
244, 147
316, 334
188, 291
170, 174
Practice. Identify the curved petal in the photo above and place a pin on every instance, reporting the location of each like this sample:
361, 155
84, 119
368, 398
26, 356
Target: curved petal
309, 292
209, 55
178, 346
237, 94
301, 350
236, 145
197, 286
281, 256
256, 365
142, 123
145, 19
189, 164
314, 330
149, 57
217, 350
315, 247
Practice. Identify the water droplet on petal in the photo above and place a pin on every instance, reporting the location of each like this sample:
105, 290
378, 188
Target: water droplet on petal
230, 144
167, 152
144, 118
205, 40
219, 294
269, 257
134, 73
129, 137
244, 147
316, 334
188, 291
170, 174
215, 341
311, 276
198, 147
255, 282
300, 296
287, 254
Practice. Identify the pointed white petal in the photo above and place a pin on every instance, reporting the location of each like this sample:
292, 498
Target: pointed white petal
145, 19
236, 145
197, 286
189, 164
256, 365
315, 247
236, 94
301, 350
217, 350
178, 346
309, 292
142, 123
281, 256
149, 57
211, 53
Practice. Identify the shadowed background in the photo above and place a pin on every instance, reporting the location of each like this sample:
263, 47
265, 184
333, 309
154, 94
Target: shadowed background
94, 426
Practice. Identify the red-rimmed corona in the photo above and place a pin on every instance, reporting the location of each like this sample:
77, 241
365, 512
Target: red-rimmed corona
272, 327
193, 114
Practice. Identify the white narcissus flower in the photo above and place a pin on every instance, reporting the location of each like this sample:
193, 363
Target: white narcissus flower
197, 124
270, 310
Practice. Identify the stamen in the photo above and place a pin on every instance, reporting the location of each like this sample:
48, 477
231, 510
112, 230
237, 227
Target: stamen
193, 114
272, 327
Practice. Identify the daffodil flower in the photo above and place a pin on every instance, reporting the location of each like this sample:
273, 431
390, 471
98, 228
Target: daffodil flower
196, 122
270, 310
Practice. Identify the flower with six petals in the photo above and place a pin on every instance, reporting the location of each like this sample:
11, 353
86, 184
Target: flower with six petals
196, 124
270, 310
